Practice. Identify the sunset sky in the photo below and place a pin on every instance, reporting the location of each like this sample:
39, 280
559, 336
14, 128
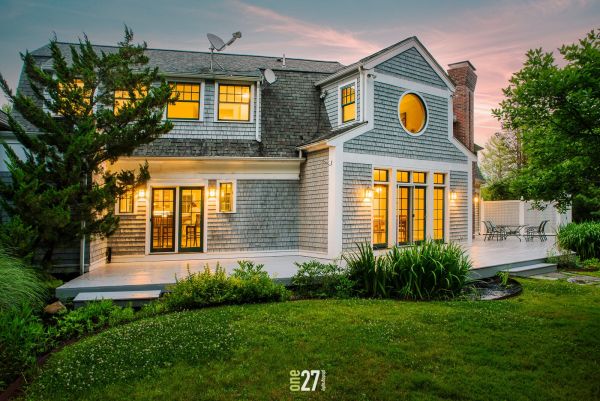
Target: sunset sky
493, 35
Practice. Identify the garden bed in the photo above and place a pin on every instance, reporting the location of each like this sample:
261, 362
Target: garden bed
492, 288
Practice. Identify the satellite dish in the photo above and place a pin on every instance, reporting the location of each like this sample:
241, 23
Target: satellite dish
269, 75
216, 42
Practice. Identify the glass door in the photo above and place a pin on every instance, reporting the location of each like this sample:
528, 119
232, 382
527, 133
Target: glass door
404, 215
411, 212
418, 214
190, 219
163, 220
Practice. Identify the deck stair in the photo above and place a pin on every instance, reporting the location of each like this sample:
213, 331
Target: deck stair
133, 298
525, 268
532, 270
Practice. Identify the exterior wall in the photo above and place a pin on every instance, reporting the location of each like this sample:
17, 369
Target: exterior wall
459, 207
332, 101
388, 138
266, 218
411, 65
211, 129
313, 201
98, 247
130, 237
357, 212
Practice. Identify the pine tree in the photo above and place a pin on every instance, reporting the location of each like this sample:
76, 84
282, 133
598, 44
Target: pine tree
63, 191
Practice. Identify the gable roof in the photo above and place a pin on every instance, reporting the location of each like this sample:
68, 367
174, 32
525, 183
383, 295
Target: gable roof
387, 53
193, 62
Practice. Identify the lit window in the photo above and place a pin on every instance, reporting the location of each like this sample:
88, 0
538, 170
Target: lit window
380, 175
380, 215
122, 98
419, 178
225, 197
348, 103
413, 115
403, 176
438, 212
126, 201
76, 86
187, 106
234, 103
439, 178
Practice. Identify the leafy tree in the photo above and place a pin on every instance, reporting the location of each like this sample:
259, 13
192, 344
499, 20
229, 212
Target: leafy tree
63, 191
557, 109
502, 156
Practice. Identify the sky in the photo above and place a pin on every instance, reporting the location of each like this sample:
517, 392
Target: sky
493, 35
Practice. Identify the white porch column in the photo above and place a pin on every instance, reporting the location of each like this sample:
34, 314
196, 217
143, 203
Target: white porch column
335, 202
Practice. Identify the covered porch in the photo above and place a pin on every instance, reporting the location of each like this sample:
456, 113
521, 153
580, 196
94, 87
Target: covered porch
488, 258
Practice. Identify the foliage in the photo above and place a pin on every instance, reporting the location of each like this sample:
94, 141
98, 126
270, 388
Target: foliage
248, 284
89, 318
557, 111
502, 189
591, 264
18, 238
540, 346
19, 284
502, 156
504, 276
63, 190
581, 238
428, 270
321, 280
22, 337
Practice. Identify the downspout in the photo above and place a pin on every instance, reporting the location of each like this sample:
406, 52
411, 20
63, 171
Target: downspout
257, 117
82, 245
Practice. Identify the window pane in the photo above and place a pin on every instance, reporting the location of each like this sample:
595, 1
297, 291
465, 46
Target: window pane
419, 214
234, 111
190, 218
188, 104
438, 213
380, 215
438, 178
226, 197
419, 178
349, 112
413, 115
184, 110
403, 176
126, 201
163, 219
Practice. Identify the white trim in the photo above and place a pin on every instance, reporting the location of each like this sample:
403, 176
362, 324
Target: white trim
201, 102
470, 205
412, 85
424, 128
163, 257
335, 202
258, 111
407, 164
354, 83
233, 193
216, 102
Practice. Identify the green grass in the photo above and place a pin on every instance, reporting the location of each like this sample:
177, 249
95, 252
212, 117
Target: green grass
543, 345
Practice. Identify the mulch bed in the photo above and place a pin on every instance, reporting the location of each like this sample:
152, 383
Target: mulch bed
491, 289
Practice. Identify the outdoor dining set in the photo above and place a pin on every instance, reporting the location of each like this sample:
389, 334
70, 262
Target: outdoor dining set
503, 231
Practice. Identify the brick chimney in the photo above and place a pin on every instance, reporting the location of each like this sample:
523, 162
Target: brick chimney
464, 77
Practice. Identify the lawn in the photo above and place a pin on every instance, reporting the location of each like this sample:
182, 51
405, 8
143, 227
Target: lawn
543, 345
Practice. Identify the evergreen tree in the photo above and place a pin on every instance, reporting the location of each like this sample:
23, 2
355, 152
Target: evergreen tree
62, 190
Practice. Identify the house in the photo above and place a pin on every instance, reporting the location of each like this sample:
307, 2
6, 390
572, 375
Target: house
323, 158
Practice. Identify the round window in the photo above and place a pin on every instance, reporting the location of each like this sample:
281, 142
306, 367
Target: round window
412, 112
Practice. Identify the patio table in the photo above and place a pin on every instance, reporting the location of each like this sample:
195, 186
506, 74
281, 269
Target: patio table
512, 230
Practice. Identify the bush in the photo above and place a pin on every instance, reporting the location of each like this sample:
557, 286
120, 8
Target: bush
89, 318
321, 280
591, 264
22, 338
429, 270
248, 284
19, 284
581, 238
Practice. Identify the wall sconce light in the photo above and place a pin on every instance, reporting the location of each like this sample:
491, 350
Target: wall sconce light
142, 194
212, 193
453, 195
476, 199
368, 194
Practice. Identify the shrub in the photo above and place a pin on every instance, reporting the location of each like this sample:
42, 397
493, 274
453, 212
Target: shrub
248, 284
20, 284
22, 337
320, 280
581, 238
591, 264
429, 270
89, 318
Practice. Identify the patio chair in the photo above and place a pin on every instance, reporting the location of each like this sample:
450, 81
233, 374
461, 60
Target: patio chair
537, 231
492, 230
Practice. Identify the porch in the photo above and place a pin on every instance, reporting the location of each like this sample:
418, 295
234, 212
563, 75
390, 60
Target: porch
488, 258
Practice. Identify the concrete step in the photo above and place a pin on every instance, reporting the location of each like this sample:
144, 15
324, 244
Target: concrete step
135, 298
533, 269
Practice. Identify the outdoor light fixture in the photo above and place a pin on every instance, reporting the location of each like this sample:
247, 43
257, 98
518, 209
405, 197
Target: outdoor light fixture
141, 194
368, 194
476, 199
453, 195
212, 193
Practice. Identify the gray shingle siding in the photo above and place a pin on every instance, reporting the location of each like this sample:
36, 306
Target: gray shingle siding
388, 138
459, 207
130, 237
332, 100
313, 201
209, 128
356, 212
266, 218
411, 65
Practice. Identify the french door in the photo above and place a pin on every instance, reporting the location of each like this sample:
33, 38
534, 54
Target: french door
188, 226
411, 212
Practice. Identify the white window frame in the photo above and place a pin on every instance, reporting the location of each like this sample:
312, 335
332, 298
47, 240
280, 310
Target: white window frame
353, 82
409, 92
216, 102
234, 194
202, 104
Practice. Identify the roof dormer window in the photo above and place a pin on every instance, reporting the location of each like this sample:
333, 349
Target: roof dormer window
234, 103
348, 103
187, 105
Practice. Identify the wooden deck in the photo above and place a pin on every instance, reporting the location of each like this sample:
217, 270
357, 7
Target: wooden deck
488, 257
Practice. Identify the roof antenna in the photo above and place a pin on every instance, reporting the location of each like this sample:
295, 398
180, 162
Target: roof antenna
216, 43
269, 76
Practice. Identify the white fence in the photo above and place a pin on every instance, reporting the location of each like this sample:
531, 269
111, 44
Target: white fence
515, 212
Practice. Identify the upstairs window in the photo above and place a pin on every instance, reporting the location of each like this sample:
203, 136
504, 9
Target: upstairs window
348, 99
126, 201
234, 103
187, 105
77, 86
122, 98
412, 113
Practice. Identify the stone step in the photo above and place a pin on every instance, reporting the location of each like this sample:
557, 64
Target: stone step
136, 298
532, 270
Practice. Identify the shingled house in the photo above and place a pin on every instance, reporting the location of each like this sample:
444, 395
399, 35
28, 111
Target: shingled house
323, 158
